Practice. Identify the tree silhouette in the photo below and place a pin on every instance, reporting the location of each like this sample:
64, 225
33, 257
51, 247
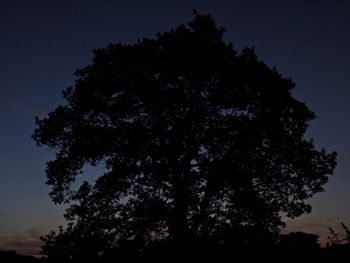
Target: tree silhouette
336, 239
299, 242
198, 142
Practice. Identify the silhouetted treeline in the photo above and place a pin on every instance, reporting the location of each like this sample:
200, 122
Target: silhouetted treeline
292, 247
295, 247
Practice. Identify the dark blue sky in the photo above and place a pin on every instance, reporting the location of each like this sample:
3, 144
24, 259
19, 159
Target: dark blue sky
43, 42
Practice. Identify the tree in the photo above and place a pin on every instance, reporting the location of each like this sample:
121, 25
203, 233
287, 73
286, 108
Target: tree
197, 141
299, 242
336, 239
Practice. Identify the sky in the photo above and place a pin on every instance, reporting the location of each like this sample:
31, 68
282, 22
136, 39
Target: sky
42, 43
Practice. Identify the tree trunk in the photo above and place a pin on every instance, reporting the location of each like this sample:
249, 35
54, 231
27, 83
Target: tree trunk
180, 209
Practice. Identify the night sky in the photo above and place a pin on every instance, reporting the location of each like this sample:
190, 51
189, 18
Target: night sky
43, 42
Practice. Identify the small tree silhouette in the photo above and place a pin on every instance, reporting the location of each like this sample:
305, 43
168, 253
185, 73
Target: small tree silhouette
337, 239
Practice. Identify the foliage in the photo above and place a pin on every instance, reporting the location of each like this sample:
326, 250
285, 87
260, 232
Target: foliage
336, 239
299, 242
198, 142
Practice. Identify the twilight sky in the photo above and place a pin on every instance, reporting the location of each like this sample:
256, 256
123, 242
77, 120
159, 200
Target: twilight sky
43, 42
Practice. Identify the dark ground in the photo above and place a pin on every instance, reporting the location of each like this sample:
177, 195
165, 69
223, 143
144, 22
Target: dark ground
340, 253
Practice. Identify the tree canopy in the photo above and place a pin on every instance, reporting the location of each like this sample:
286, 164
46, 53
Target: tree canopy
197, 141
